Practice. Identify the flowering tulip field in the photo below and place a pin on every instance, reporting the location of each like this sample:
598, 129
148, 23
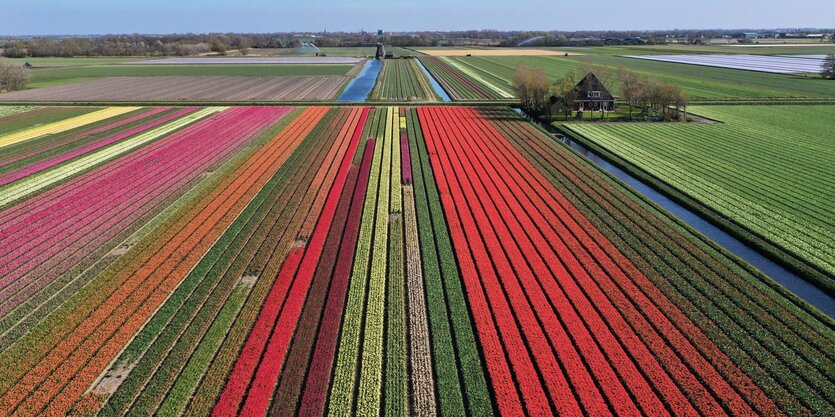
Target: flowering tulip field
398, 261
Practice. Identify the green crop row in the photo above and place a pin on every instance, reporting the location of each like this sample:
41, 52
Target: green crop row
458, 85
781, 193
41, 116
402, 80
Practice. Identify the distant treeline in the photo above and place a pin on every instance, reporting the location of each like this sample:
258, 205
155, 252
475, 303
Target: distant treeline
192, 44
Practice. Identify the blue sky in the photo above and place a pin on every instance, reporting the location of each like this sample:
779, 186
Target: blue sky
37, 17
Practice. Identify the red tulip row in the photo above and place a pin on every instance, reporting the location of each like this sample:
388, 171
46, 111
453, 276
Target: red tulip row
566, 297
750, 345
316, 386
256, 372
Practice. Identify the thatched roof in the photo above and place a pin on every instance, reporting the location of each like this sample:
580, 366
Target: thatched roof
591, 83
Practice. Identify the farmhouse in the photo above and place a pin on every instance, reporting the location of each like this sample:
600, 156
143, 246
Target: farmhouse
592, 95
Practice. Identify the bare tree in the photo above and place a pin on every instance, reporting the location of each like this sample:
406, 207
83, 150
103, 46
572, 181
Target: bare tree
520, 82
630, 88
13, 77
244, 43
219, 46
532, 88
828, 67
565, 91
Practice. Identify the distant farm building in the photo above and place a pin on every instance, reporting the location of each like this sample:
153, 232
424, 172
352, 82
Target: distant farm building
747, 35
592, 95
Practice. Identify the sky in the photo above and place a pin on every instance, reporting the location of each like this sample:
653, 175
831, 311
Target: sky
63, 17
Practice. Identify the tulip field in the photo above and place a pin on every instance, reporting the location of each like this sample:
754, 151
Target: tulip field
369, 261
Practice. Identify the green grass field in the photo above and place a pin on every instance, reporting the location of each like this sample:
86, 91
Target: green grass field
64, 75
808, 48
701, 83
771, 49
767, 168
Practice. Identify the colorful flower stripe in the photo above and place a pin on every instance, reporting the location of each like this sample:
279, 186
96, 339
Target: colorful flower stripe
623, 272
63, 157
449, 313
461, 263
194, 322
64, 125
299, 270
474, 259
347, 360
660, 247
34, 183
420, 354
396, 351
326, 174
61, 212
33, 149
316, 385
526, 245
161, 148
716, 384
267, 260
291, 381
170, 178
370, 384
175, 258
258, 399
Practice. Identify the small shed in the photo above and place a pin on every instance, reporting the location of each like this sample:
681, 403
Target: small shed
592, 95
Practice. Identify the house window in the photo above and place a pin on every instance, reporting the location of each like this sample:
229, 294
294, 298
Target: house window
594, 94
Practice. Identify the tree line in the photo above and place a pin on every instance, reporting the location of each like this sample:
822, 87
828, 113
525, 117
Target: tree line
539, 96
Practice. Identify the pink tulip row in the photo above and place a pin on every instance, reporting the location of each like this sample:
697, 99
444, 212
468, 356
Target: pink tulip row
73, 224
90, 147
11, 157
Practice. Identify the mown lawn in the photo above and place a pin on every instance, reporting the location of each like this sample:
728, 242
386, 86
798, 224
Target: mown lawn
768, 168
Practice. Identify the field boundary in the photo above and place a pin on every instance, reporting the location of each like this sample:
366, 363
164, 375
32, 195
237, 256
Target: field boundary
808, 272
